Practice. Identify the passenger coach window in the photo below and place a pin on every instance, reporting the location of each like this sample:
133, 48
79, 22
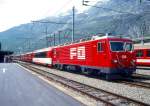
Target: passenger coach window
41, 55
148, 53
99, 47
139, 53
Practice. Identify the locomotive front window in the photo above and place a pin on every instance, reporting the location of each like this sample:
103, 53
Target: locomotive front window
128, 46
117, 46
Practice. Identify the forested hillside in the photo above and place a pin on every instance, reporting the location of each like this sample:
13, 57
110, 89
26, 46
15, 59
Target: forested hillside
126, 17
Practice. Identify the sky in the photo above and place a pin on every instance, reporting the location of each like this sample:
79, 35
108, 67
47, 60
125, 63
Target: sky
16, 12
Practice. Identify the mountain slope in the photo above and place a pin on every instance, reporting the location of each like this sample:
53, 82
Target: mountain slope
129, 18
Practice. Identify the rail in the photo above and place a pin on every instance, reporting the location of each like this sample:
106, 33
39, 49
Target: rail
105, 97
136, 83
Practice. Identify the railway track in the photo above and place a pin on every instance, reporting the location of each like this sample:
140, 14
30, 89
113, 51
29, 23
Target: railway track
107, 98
136, 83
143, 68
142, 76
133, 81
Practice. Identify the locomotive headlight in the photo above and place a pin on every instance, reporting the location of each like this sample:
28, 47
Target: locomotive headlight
115, 61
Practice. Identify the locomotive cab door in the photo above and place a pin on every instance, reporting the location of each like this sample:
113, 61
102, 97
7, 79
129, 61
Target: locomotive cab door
101, 53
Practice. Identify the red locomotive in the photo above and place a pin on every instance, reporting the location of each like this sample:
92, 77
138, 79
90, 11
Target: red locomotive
108, 55
142, 57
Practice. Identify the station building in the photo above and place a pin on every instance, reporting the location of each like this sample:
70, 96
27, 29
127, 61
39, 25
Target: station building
3, 54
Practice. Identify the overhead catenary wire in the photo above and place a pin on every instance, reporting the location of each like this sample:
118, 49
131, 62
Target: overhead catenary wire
87, 3
110, 9
47, 22
65, 4
59, 9
52, 22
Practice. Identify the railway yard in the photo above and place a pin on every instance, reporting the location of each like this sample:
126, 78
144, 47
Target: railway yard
95, 91
101, 71
75, 53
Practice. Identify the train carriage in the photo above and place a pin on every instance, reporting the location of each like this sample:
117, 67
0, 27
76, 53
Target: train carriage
143, 57
16, 57
28, 57
43, 56
108, 55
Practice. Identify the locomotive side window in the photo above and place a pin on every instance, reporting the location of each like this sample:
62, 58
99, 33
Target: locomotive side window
139, 53
100, 47
148, 53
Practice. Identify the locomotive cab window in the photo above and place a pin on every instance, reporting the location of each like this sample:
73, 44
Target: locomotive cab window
148, 53
116, 46
139, 53
128, 46
100, 47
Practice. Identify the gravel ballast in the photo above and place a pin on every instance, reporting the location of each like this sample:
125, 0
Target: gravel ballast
140, 94
145, 71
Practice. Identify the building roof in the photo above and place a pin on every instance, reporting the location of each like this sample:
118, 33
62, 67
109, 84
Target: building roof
6, 52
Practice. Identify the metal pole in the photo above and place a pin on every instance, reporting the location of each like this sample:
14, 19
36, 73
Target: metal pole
54, 39
73, 11
59, 36
46, 31
50, 42
29, 45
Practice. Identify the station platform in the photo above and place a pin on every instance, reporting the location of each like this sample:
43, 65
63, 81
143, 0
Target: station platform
19, 87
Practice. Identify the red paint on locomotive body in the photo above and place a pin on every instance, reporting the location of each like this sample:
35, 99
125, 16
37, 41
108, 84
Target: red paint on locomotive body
100, 54
142, 57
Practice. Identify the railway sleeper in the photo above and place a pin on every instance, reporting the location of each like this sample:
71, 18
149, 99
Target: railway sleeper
110, 100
